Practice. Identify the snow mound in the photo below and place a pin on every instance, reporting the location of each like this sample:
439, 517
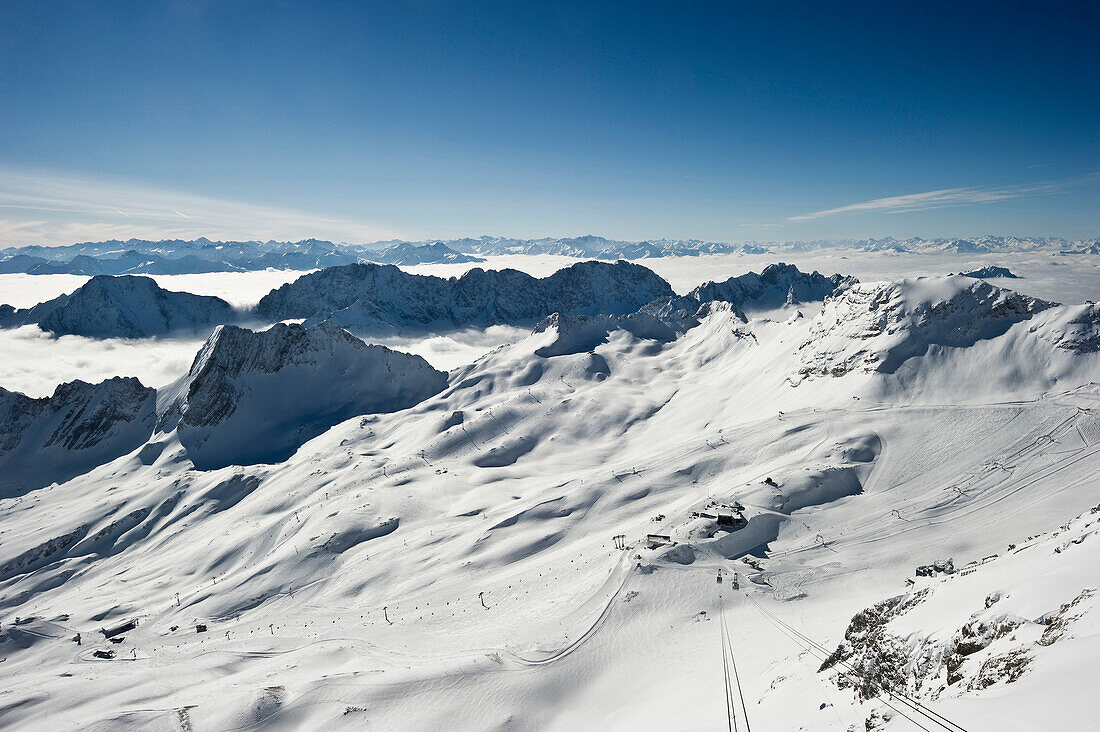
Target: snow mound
121, 307
877, 326
382, 298
254, 397
80, 426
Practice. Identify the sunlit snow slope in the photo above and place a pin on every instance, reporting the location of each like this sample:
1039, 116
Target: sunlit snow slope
454, 565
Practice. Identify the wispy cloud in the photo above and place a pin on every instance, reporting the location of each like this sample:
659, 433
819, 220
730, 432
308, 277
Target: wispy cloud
946, 197
47, 207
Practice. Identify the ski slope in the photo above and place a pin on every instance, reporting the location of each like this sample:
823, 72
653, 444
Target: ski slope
453, 565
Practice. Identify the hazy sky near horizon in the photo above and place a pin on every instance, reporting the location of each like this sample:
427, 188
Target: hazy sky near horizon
420, 119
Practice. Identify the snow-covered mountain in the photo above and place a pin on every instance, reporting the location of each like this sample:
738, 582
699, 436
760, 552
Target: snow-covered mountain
877, 326
593, 247
989, 272
666, 318
137, 256
955, 245
255, 397
76, 429
533, 544
778, 285
406, 253
121, 307
371, 298
130, 262
598, 247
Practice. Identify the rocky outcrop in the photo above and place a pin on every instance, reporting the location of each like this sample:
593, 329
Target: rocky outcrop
80, 426
1073, 328
776, 286
877, 326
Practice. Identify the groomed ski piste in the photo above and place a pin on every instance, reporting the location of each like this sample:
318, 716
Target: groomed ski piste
536, 546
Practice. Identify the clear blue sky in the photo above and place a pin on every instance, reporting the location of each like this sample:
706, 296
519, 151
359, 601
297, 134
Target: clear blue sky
727, 121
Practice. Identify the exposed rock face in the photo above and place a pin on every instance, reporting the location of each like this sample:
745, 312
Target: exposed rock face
80, 426
776, 286
381, 298
122, 307
878, 326
255, 397
1074, 328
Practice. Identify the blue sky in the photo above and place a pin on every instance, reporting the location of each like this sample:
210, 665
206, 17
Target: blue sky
726, 121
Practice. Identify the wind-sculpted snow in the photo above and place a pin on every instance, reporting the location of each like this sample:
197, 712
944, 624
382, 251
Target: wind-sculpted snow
77, 428
255, 397
877, 326
122, 307
373, 298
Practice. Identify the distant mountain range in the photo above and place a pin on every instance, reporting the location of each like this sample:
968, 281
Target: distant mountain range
201, 256
598, 247
139, 256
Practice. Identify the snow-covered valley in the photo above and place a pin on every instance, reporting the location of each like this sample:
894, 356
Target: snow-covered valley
533, 541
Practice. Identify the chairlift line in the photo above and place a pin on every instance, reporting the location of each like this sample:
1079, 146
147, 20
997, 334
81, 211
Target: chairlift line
912, 704
730, 663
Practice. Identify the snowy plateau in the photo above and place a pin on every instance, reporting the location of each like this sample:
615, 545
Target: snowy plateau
485, 485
